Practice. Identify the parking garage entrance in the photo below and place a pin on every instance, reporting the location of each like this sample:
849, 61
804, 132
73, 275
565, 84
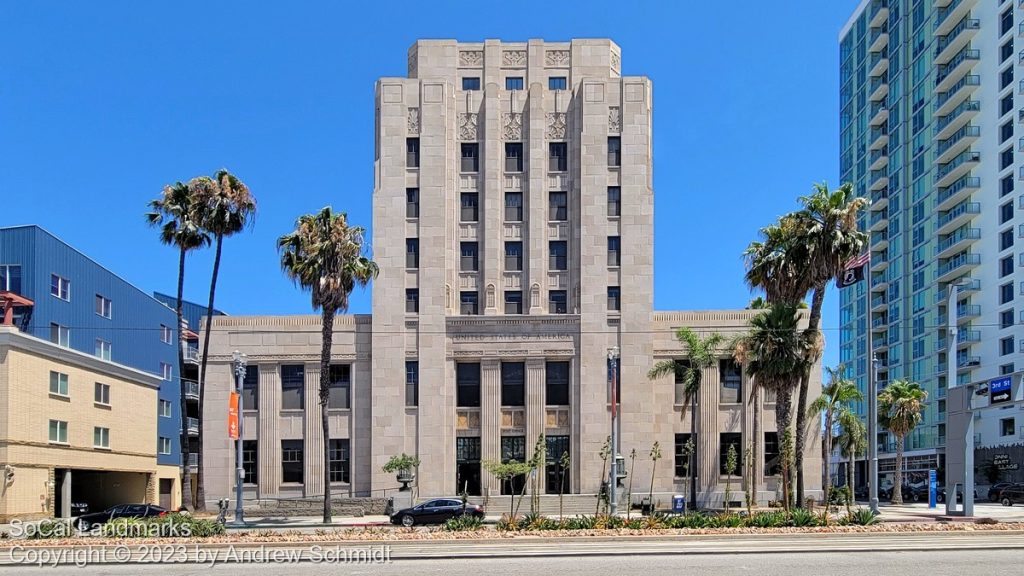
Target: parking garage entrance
96, 489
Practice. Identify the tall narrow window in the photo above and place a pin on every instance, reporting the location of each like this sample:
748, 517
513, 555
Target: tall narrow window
614, 205
614, 302
103, 349
60, 335
558, 476
412, 152
468, 304
293, 383
513, 157
513, 256
412, 301
251, 388
513, 384
101, 393
339, 460
558, 206
412, 383
412, 252
104, 307
341, 386
556, 383
731, 382
558, 157
514, 302
469, 207
166, 334
513, 448
470, 259
558, 252
291, 461
250, 451
727, 439
614, 151
772, 460
613, 250
513, 206
470, 157
412, 202
467, 385
682, 456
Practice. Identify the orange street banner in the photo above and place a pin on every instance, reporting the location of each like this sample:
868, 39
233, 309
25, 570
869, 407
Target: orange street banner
233, 416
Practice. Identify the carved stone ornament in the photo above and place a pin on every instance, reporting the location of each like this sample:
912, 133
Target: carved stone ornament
556, 58
513, 58
616, 64
414, 121
512, 126
490, 295
471, 57
556, 126
467, 126
614, 119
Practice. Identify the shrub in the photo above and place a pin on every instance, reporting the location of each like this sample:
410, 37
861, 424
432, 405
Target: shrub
167, 526
636, 524
840, 496
694, 520
507, 523
768, 519
727, 520
802, 518
465, 523
861, 517
581, 523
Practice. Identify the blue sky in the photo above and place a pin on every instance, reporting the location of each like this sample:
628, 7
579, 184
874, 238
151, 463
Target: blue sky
102, 103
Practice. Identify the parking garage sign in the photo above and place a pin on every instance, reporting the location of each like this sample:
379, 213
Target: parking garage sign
999, 390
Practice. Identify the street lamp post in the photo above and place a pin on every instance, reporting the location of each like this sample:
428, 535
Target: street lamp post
239, 363
613, 476
951, 382
873, 435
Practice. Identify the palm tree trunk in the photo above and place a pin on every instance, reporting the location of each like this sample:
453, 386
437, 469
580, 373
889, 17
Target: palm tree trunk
783, 402
757, 437
897, 488
326, 338
694, 461
826, 455
850, 478
200, 489
805, 380
186, 476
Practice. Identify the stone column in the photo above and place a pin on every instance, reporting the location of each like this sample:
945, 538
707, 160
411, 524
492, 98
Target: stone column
65, 494
490, 421
536, 410
269, 448
151, 492
360, 424
707, 437
313, 474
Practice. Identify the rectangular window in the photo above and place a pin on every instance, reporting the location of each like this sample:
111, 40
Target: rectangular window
250, 451
412, 252
470, 157
163, 445
514, 83
341, 387
166, 334
470, 83
469, 207
682, 456
166, 372
412, 383
558, 258
291, 461
100, 437
558, 477
293, 384
1006, 426
556, 383
104, 307
467, 385
725, 440
1006, 50
103, 349
1006, 318
1006, 104
412, 202
1006, 346
558, 206
339, 460
1006, 213
60, 287
1006, 77
514, 302
513, 206
164, 409
60, 335
1006, 185
1006, 239
1005, 158
679, 381
467, 466
412, 300
614, 200
469, 262
10, 279
513, 156
1005, 266
58, 431
772, 453
614, 151
1006, 293
614, 305
251, 388
513, 256
101, 393
556, 83
58, 383
1006, 369
731, 382
557, 303
1005, 132
513, 384
558, 157
468, 304
513, 448
613, 251
1006, 21
412, 152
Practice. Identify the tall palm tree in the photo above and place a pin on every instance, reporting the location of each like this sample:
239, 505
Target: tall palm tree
834, 401
324, 255
899, 411
174, 214
701, 354
223, 207
852, 441
757, 303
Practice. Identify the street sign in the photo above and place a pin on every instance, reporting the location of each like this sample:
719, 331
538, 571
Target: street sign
932, 489
999, 390
233, 416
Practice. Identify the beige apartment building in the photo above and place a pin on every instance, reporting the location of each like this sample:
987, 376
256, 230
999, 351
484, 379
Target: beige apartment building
513, 226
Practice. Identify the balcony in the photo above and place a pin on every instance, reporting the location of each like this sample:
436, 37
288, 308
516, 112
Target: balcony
969, 285
878, 220
967, 311
957, 242
878, 39
967, 362
191, 390
945, 100
957, 143
957, 38
957, 191
192, 426
879, 158
879, 199
879, 240
879, 179
957, 264
949, 74
879, 260
879, 342
193, 460
953, 219
879, 138
879, 113
879, 281
191, 354
879, 302
878, 88
878, 13
947, 17
880, 321
965, 338
958, 166
946, 125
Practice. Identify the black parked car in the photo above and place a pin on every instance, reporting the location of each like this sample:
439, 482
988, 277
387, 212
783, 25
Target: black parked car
993, 492
1010, 495
436, 511
87, 521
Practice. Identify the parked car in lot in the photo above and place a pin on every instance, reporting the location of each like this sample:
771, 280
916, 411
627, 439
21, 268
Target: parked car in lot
87, 521
437, 511
993, 492
1011, 495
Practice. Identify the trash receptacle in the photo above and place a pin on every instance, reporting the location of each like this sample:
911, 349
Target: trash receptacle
678, 504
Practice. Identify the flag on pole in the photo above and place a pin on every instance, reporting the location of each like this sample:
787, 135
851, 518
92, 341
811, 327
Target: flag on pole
854, 271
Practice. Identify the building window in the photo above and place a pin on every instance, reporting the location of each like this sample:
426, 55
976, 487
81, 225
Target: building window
556, 383
10, 279
1006, 346
469, 304
772, 454
514, 83
104, 306
102, 349
412, 252
60, 335
58, 383
1006, 104
163, 445
291, 461
1006, 21
412, 300
101, 393
470, 157
725, 440
412, 152
166, 334
614, 202
412, 383
613, 251
467, 385
412, 202
467, 466
1006, 239
1006, 318
250, 451
1006, 369
514, 302
1006, 426
1006, 185
558, 157
558, 478
1006, 50
1006, 77
341, 387
339, 460
60, 287
557, 303
293, 384
251, 388
558, 206
513, 156
556, 83
513, 206
513, 384
682, 366
731, 376
614, 305
1005, 158
682, 459
100, 437
614, 151
513, 448
1006, 293
58, 432
558, 257
164, 409
1006, 213
1005, 266
471, 83
1005, 132
513, 256
469, 207
469, 261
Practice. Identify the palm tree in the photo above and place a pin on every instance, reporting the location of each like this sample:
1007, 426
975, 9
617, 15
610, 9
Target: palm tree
899, 411
757, 303
701, 354
834, 401
223, 207
324, 255
852, 441
173, 212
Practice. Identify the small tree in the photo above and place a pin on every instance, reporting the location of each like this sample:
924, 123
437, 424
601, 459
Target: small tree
505, 472
563, 465
748, 467
655, 456
730, 467
540, 449
606, 449
629, 490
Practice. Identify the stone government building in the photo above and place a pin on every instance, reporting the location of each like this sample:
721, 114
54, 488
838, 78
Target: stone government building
513, 225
